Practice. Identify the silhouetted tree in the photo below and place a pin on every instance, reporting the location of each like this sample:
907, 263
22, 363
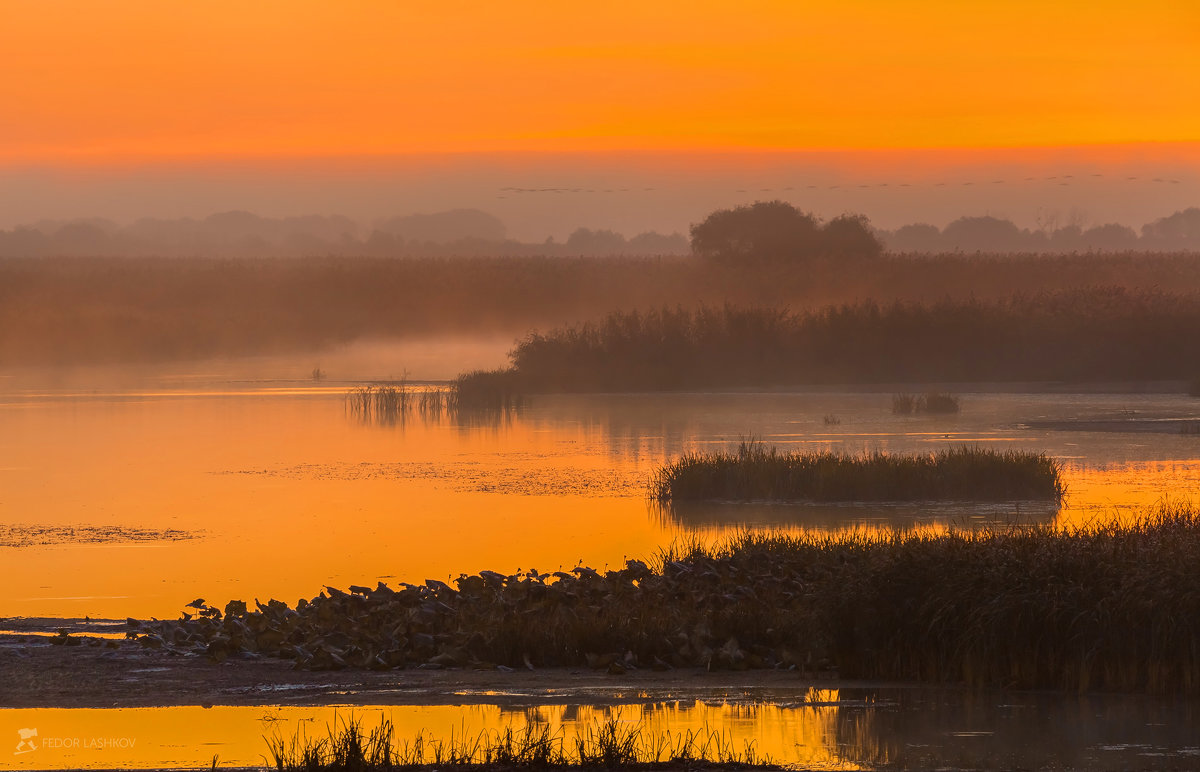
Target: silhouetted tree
918, 237
1178, 231
600, 242
850, 235
1110, 237
764, 230
983, 234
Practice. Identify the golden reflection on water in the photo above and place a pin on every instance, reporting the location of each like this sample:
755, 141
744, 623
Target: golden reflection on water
190, 736
280, 491
850, 728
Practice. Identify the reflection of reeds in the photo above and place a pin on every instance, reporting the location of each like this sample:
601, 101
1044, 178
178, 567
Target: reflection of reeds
755, 471
610, 744
1111, 606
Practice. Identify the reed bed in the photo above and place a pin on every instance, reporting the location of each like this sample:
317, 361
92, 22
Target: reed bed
603, 745
1108, 606
1083, 335
755, 471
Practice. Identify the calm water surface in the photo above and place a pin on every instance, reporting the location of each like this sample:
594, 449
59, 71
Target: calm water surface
134, 500
847, 728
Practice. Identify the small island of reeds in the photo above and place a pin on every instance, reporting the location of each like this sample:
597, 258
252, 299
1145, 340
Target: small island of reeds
932, 402
754, 471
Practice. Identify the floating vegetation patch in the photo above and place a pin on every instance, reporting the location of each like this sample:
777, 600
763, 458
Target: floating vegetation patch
610, 745
475, 477
756, 472
1112, 606
16, 535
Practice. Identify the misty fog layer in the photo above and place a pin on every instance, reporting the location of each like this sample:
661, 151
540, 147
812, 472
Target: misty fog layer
85, 309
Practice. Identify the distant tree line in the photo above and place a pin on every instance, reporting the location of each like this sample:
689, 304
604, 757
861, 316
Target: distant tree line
776, 230
456, 233
1179, 232
764, 231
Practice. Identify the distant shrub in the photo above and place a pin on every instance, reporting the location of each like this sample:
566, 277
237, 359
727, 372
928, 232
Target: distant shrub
937, 402
776, 230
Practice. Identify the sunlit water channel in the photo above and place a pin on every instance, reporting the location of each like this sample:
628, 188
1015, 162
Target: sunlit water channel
132, 501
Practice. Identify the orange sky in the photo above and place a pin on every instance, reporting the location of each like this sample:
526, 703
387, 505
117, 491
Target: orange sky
137, 81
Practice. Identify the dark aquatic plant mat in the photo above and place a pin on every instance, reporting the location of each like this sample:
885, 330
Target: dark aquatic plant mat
37, 535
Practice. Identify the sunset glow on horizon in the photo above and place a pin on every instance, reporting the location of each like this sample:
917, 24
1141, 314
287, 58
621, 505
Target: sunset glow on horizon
142, 82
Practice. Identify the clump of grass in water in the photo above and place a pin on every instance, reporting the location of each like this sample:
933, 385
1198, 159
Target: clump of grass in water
938, 402
385, 404
934, 402
754, 471
472, 395
607, 745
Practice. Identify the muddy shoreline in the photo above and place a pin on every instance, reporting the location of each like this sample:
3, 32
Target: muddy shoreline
37, 674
